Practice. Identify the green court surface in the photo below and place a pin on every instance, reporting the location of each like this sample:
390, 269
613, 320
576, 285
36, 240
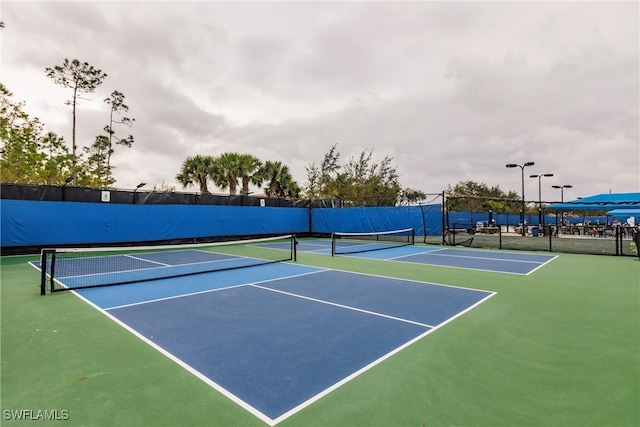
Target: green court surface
559, 347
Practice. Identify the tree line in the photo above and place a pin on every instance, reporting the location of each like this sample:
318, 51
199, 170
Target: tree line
29, 155
472, 196
229, 170
360, 181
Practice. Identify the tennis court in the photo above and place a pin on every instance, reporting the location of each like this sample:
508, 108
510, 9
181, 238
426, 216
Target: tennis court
473, 259
272, 338
344, 340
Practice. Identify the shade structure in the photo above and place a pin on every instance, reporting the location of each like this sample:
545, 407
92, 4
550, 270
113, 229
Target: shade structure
599, 202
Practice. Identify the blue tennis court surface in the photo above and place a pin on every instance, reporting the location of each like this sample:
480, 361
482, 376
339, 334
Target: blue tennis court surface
474, 259
274, 338
511, 262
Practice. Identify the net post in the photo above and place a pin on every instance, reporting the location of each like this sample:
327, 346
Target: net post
43, 272
294, 248
44, 256
413, 236
333, 244
53, 269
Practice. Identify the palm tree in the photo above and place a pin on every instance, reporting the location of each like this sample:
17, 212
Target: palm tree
249, 171
232, 167
279, 179
291, 189
225, 172
197, 169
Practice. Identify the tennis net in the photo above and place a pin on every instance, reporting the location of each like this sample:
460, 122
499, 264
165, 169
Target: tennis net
77, 268
346, 243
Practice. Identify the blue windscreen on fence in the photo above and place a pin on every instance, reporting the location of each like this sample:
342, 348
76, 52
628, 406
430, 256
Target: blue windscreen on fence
38, 223
373, 219
29, 223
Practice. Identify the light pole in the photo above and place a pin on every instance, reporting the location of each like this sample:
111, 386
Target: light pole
561, 187
64, 188
243, 195
513, 165
139, 186
540, 216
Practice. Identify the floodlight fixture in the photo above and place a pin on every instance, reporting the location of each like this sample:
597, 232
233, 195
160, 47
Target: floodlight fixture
514, 165
540, 216
562, 187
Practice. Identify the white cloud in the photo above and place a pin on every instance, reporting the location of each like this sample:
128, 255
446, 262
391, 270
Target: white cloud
451, 90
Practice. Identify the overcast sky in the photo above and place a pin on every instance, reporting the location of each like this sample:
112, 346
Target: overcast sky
452, 91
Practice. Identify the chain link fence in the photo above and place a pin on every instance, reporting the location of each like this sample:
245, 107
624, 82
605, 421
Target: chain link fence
585, 239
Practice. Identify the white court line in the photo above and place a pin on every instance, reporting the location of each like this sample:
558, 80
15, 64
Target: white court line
324, 244
147, 260
182, 364
322, 248
32, 264
351, 244
211, 290
480, 257
412, 280
461, 268
399, 259
372, 364
542, 265
343, 306
415, 253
